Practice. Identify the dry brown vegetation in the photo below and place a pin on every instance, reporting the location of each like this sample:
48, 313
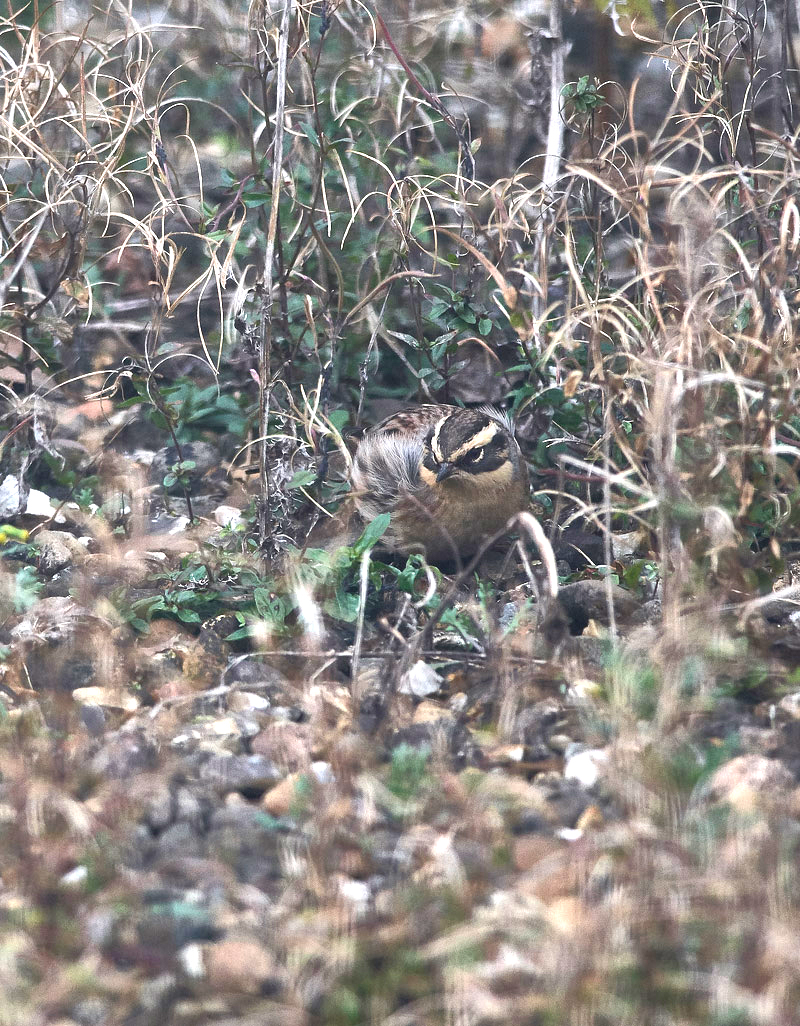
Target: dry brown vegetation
251, 769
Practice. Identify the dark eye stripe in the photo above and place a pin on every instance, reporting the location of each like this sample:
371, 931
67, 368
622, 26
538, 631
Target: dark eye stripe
487, 462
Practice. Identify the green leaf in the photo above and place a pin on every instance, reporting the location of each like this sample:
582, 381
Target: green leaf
269, 606
135, 400
339, 418
26, 590
343, 606
256, 196
553, 396
372, 533
240, 634
321, 557
188, 616
632, 574
484, 325
302, 479
403, 337
310, 133
254, 204
569, 417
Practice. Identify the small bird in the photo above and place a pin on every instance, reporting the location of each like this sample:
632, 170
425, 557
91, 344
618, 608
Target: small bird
449, 477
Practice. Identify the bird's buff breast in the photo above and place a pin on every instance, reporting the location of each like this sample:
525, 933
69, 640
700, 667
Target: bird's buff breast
456, 514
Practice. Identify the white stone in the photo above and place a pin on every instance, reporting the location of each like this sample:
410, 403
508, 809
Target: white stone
229, 516
179, 525
790, 704
584, 690
248, 701
354, 890
586, 766
108, 698
191, 960
10, 498
39, 505
75, 877
420, 681
624, 546
143, 456
322, 772
225, 727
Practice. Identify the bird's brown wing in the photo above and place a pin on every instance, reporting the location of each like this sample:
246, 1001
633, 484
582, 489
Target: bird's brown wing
412, 421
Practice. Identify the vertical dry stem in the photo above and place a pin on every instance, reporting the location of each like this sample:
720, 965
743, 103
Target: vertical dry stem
266, 335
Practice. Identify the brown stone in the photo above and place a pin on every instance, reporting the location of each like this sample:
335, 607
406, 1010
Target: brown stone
431, 712
751, 782
178, 687
290, 745
530, 849
590, 819
242, 966
568, 915
278, 800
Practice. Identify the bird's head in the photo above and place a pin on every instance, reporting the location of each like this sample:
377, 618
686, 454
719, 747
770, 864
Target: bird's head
468, 449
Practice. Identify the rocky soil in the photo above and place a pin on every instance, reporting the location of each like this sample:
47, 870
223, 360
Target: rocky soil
515, 826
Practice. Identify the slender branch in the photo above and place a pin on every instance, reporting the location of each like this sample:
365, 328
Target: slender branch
265, 341
555, 128
468, 164
555, 144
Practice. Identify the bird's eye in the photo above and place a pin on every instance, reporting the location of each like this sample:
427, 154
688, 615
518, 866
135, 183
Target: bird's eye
475, 457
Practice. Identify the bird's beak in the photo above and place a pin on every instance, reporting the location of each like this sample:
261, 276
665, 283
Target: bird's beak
444, 471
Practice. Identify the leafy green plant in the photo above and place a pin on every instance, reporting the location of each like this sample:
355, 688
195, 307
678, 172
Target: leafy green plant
207, 584
27, 588
332, 577
641, 576
179, 474
407, 770
79, 487
193, 592
457, 312
687, 765
377, 977
584, 96
198, 410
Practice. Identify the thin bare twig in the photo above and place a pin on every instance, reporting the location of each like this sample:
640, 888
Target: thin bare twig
265, 340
